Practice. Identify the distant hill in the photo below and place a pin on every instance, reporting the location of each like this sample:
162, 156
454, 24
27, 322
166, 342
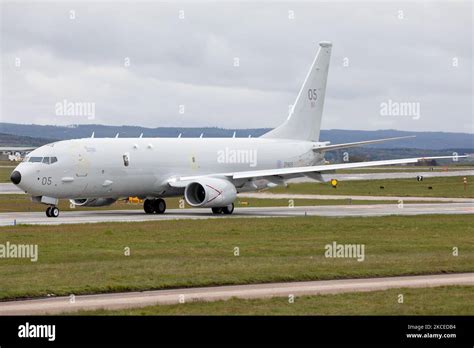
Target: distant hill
20, 140
423, 140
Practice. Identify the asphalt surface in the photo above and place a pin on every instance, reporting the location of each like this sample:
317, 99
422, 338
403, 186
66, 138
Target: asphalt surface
268, 195
95, 216
7, 188
58, 305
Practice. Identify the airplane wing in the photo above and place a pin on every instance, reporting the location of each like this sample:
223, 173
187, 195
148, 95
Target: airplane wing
287, 173
359, 143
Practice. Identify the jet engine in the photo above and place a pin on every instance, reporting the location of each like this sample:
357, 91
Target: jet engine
92, 202
210, 193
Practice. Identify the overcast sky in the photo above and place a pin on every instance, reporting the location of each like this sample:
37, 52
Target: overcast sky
182, 71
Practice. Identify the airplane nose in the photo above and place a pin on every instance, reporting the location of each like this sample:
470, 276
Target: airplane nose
15, 177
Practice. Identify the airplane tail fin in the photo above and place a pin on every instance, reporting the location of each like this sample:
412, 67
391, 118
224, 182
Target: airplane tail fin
304, 120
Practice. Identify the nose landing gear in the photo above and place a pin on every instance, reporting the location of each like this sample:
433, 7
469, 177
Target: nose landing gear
154, 206
52, 211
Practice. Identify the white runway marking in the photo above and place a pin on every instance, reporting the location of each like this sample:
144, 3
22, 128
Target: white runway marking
63, 304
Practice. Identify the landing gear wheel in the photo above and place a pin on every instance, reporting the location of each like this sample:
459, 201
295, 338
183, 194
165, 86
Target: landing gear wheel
228, 209
54, 212
148, 206
217, 210
159, 206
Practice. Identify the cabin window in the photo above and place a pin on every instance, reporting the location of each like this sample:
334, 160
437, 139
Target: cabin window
36, 159
46, 160
53, 160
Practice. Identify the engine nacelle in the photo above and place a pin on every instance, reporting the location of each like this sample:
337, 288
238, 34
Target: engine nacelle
210, 193
92, 202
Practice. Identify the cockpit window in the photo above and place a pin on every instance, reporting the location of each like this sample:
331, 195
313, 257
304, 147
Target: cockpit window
44, 160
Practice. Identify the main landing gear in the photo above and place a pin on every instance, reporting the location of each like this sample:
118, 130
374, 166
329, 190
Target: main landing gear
52, 211
154, 206
229, 209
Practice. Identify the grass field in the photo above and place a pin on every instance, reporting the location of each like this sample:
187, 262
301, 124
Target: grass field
23, 203
5, 173
9, 163
449, 300
86, 258
440, 187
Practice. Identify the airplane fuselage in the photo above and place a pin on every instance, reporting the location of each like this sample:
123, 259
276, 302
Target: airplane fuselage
122, 167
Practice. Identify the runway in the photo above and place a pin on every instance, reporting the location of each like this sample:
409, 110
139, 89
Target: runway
63, 304
96, 216
268, 195
9, 188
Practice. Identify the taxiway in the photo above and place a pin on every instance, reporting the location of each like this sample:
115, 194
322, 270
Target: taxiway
63, 304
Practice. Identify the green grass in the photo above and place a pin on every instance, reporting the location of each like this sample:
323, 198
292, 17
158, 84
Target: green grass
9, 163
449, 300
10, 203
89, 258
5, 173
440, 187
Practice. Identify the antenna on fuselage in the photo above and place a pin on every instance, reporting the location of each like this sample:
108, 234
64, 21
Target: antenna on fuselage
201, 135
179, 135
233, 136
141, 136
116, 135
92, 134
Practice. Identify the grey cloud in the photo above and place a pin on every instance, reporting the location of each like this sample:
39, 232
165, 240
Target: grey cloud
190, 62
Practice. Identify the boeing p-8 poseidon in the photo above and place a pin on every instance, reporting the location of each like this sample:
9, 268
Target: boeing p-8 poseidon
207, 172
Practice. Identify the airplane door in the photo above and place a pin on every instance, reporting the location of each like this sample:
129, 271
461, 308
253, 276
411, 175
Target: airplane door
82, 165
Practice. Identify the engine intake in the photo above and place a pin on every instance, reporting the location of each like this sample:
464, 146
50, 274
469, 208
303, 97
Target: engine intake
210, 193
